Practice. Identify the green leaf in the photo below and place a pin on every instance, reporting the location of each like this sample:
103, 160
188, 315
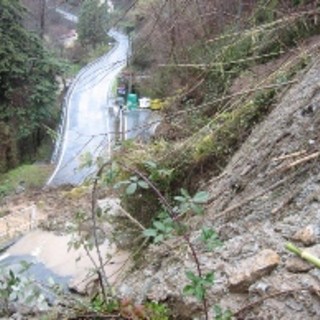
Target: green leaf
164, 173
196, 209
191, 276
188, 290
220, 314
150, 164
142, 184
185, 193
159, 238
201, 197
199, 292
209, 278
217, 310
180, 199
150, 233
207, 233
184, 207
120, 184
11, 274
25, 266
159, 225
131, 189
210, 238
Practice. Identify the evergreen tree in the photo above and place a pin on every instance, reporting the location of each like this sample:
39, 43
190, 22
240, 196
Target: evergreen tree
92, 23
27, 84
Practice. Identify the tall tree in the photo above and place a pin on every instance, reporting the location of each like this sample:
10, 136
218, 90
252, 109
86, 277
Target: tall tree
92, 23
27, 83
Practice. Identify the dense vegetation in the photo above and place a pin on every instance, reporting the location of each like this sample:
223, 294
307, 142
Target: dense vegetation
27, 87
191, 53
92, 24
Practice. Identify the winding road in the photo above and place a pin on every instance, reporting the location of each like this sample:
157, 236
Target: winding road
92, 122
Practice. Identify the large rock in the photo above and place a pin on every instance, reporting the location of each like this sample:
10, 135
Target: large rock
252, 269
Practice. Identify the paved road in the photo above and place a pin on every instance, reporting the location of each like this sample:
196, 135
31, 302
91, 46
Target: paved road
92, 121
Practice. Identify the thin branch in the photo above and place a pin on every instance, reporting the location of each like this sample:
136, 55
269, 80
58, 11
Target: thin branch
101, 274
128, 215
296, 163
172, 214
291, 155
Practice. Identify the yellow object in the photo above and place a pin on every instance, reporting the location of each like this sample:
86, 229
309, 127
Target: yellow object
77, 192
156, 104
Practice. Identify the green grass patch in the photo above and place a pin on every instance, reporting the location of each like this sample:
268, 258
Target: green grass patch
73, 69
33, 176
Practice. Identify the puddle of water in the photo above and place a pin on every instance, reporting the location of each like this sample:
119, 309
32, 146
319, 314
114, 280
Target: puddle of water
51, 257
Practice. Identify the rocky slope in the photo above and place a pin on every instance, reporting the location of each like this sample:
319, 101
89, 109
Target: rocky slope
268, 194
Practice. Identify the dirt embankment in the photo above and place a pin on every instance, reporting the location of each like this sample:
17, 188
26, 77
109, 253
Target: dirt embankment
267, 195
53, 210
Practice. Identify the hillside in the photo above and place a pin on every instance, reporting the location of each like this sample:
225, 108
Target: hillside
230, 177
267, 195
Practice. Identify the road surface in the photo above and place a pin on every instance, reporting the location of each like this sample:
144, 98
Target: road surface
92, 122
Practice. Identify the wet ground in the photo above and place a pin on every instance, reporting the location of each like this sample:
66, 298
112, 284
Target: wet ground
51, 256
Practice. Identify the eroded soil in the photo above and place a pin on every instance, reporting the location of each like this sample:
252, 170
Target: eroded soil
268, 194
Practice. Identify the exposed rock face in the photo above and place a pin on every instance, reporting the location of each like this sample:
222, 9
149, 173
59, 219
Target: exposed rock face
278, 200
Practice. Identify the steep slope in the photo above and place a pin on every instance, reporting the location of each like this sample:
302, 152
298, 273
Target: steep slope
268, 194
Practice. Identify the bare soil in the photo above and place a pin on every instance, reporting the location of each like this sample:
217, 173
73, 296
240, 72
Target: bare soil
54, 208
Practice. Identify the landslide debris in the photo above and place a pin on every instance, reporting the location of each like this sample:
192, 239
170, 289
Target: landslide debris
268, 193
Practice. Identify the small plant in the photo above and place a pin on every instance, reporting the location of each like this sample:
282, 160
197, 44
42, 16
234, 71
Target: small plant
97, 304
167, 223
210, 238
127, 309
132, 185
157, 311
161, 176
161, 229
16, 288
198, 285
189, 203
220, 314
